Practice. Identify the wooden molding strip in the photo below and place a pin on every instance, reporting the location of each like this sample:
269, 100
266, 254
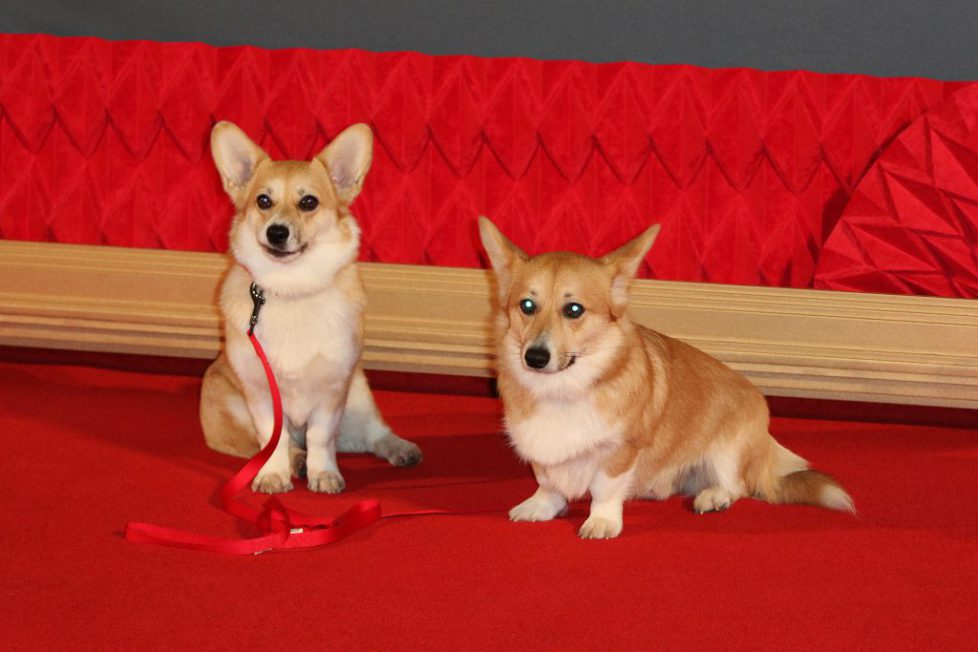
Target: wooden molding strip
800, 343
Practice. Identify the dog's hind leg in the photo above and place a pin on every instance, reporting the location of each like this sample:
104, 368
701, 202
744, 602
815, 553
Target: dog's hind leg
726, 486
224, 415
363, 430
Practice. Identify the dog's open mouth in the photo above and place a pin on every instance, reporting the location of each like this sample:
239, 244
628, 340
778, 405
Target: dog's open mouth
282, 254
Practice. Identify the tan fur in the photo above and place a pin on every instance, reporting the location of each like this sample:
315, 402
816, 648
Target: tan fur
621, 411
311, 325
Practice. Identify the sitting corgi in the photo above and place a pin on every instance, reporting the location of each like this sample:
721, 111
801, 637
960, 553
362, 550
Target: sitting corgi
293, 236
599, 404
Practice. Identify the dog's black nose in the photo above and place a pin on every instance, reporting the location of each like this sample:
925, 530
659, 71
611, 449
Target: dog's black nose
537, 357
277, 234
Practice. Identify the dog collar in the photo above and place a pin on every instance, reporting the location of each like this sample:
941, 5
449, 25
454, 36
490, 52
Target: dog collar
258, 298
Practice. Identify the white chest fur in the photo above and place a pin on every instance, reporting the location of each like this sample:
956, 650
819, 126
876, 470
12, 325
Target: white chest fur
311, 343
298, 332
559, 431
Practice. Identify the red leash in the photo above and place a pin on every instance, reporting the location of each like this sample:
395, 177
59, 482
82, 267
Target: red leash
282, 528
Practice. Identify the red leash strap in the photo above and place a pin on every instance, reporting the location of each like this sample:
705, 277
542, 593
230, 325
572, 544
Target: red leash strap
281, 527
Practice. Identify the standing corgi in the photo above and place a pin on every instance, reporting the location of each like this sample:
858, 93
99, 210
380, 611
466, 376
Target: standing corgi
293, 236
599, 404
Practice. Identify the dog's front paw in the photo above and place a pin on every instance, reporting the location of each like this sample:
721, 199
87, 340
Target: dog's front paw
599, 527
397, 451
538, 507
271, 483
327, 482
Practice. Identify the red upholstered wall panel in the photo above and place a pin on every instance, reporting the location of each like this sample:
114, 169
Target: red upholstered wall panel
911, 226
106, 142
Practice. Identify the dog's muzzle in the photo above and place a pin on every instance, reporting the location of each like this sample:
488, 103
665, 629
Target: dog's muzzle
278, 239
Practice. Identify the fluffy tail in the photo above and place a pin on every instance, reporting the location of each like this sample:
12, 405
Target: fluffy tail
812, 488
791, 481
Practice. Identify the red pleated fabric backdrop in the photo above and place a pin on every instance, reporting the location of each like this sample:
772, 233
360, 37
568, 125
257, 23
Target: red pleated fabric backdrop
911, 227
749, 172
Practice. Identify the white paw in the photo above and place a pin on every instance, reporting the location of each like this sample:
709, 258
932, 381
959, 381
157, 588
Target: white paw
599, 527
537, 508
271, 482
713, 499
327, 482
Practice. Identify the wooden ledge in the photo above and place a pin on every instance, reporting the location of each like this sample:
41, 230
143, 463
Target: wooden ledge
798, 343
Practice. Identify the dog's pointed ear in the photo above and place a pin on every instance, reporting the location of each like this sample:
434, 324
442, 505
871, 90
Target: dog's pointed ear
625, 262
348, 160
236, 158
503, 254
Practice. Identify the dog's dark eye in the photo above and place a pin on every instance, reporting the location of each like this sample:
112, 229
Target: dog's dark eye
573, 310
308, 203
528, 306
264, 201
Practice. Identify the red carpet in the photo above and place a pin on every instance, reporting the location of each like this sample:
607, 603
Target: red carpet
87, 450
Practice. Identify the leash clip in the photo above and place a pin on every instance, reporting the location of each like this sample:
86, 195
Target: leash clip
258, 298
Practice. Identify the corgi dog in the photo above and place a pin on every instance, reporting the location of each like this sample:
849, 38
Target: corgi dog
599, 404
294, 236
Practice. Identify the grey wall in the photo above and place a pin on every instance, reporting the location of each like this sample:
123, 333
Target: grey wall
900, 37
